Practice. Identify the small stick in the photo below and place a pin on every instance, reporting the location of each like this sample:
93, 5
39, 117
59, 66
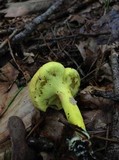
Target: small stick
105, 94
11, 52
112, 94
9, 38
29, 28
113, 149
115, 70
106, 139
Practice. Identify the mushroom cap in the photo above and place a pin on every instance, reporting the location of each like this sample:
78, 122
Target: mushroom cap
48, 81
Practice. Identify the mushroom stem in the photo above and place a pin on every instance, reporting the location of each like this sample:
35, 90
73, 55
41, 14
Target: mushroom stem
71, 109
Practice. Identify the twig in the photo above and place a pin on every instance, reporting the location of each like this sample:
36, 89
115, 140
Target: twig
9, 38
99, 149
78, 67
80, 5
19, 68
105, 94
115, 70
112, 94
10, 103
79, 35
29, 28
10, 86
106, 139
33, 129
53, 41
113, 149
6, 31
75, 6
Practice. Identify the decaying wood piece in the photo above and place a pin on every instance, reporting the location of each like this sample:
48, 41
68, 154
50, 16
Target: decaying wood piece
113, 149
21, 107
20, 149
115, 70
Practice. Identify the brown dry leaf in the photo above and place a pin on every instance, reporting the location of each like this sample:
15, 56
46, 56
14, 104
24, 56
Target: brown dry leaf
89, 44
10, 73
89, 52
89, 101
97, 120
29, 57
21, 105
77, 19
105, 73
23, 8
52, 128
81, 48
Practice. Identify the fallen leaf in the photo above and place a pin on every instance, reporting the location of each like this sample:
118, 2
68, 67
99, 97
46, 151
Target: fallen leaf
77, 20
13, 103
27, 7
52, 128
21, 107
108, 23
105, 73
97, 120
10, 73
89, 52
87, 100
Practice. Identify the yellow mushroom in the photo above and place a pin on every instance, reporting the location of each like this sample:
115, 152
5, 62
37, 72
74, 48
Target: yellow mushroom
54, 85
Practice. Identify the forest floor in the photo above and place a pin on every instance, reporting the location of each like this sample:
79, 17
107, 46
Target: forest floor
82, 35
